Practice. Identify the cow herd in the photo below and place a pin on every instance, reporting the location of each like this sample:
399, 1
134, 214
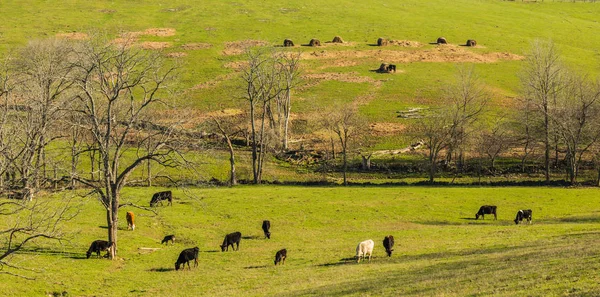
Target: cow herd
364, 250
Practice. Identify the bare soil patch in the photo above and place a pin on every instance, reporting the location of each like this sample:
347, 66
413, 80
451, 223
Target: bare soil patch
155, 45
108, 11
161, 32
351, 77
176, 55
406, 43
196, 46
238, 47
447, 53
212, 83
383, 129
73, 35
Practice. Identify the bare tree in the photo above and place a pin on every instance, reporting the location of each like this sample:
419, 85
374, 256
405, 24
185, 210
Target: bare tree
527, 128
289, 67
261, 84
542, 81
117, 86
436, 131
577, 120
347, 125
26, 224
467, 101
42, 73
229, 128
495, 140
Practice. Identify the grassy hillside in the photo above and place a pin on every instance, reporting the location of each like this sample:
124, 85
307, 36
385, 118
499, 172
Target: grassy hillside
440, 249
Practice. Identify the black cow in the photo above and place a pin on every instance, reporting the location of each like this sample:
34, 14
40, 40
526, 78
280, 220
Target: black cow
388, 243
186, 256
266, 226
391, 68
230, 239
160, 196
523, 214
97, 247
486, 209
168, 238
280, 256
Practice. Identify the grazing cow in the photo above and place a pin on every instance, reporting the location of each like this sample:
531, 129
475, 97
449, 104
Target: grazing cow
130, 221
266, 226
486, 209
186, 256
97, 247
280, 256
388, 243
391, 68
382, 41
230, 239
288, 42
442, 40
364, 248
523, 214
168, 238
160, 196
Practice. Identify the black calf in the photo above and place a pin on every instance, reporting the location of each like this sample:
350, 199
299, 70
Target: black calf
168, 238
160, 196
280, 256
97, 247
186, 256
230, 239
486, 209
266, 226
388, 243
523, 214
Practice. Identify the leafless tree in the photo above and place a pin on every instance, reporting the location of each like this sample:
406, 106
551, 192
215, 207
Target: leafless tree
577, 120
261, 84
527, 128
26, 224
347, 125
436, 131
42, 75
467, 101
228, 128
117, 86
289, 67
542, 81
495, 140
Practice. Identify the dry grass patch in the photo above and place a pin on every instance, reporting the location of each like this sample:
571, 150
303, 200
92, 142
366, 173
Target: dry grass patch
384, 129
73, 36
155, 45
351, 77
176, 55
196, 46
238, 47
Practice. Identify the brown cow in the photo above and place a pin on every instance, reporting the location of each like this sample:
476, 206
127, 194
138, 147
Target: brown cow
130, 221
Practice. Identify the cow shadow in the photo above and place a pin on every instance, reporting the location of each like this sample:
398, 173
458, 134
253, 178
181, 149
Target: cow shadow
211, 251
256, 267
161, 269
251, 237
373, 44
118, 228
469, 219
341, 262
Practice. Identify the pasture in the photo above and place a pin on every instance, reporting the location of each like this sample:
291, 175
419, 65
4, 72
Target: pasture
440, 249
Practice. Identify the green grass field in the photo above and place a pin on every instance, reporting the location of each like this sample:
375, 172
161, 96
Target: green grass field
440, 249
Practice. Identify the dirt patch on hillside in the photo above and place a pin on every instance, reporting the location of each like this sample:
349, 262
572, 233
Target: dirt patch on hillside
176, 55
238, 47
236, 65
212, 83
108, 11
73, 36
155, 45
447, 53
161, 32
405, 43
383, 129
351, 77
196, 46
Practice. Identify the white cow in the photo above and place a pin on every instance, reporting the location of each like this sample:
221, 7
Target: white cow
364, 248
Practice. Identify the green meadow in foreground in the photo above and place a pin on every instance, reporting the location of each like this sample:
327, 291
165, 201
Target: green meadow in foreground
440, 249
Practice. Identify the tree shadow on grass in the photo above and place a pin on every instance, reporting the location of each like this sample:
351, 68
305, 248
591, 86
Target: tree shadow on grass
118, 228
343, 261
46, 251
